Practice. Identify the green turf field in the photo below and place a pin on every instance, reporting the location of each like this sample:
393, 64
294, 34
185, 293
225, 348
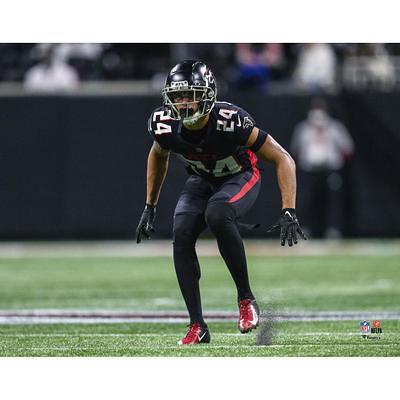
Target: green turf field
304, 283
140, 339
326, 283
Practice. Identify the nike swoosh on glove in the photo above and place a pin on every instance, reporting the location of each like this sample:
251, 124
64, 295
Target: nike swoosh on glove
146, 222
289, 227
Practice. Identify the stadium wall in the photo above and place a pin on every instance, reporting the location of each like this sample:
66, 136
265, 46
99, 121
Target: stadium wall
73, 167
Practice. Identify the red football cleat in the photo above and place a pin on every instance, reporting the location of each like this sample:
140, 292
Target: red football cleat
196, 334
249, 315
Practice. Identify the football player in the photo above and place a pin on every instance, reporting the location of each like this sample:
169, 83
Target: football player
220, 143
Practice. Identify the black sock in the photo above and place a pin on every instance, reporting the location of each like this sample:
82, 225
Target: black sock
187, 228
220, 218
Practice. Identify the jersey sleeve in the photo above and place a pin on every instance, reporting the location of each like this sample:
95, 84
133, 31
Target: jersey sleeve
238, 124
160, 128
244, 126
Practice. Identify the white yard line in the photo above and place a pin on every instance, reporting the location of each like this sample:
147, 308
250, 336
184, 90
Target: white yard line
69, 335
205, 347
18, 317
133, 335
61, 320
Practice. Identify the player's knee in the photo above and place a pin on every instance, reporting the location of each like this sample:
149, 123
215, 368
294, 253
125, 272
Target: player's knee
218, 215
183, 233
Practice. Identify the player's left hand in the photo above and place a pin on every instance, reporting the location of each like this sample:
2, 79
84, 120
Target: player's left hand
146, 222
289, 227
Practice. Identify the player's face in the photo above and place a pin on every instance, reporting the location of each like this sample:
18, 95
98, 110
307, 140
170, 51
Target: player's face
186, 99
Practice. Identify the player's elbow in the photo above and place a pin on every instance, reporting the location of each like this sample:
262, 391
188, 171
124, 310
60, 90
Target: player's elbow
291, 162
159, 155
286, 160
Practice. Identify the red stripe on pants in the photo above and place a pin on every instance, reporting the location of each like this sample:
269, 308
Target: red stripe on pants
247, 186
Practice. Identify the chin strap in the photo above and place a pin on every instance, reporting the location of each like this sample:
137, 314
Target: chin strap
193, 120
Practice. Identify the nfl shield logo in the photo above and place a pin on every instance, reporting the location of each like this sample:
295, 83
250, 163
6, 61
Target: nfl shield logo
376, 323
376, 327
365, 328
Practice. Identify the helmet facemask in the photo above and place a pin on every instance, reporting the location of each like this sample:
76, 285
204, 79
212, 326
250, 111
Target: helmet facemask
194, 95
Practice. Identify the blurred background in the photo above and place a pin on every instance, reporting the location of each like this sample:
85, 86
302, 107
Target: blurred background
74, 141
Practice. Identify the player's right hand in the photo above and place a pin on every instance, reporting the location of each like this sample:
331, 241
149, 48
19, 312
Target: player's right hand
146, 222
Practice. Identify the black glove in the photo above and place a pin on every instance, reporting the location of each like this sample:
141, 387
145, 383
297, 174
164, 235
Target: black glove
289, 227
145, 225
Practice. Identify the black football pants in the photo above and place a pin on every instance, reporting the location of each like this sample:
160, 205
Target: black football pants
218, 206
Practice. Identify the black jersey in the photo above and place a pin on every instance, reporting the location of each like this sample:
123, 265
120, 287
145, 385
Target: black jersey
218, 150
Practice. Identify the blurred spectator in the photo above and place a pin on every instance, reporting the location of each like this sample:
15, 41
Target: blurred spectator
316, 67
321, 145
369, 65
379, 65
51, 74
258, 63
90, 51
281, 68
83, 57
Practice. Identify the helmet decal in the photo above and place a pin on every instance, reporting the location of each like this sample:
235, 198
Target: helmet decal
179, 84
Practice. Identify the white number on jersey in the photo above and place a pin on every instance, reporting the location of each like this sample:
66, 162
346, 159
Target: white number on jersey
226, 166
161, 115
227, 113
223, 125
161, 127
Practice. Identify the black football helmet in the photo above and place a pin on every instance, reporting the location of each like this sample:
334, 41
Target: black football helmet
192, 81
